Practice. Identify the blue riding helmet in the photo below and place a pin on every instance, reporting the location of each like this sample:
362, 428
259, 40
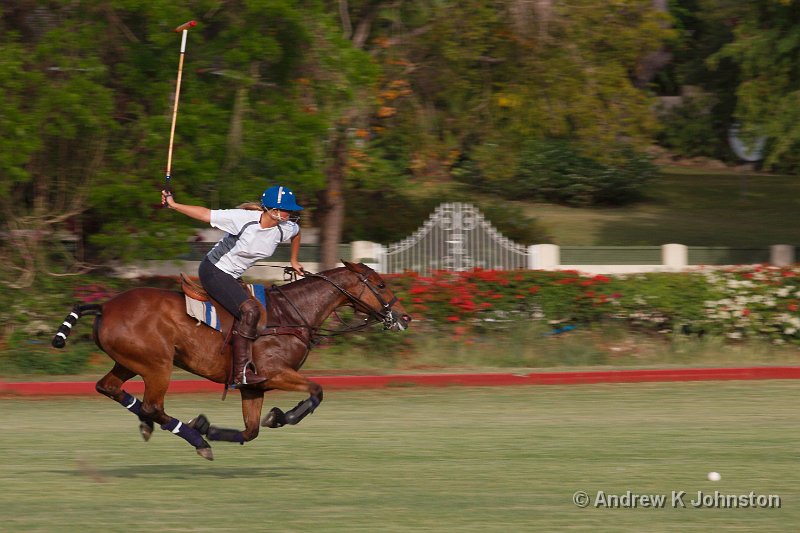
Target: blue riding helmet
279, 197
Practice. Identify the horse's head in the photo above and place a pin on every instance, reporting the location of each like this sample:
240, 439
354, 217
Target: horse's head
370, 294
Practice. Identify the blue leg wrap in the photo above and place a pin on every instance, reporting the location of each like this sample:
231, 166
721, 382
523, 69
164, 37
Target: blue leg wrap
130, 403
190, 435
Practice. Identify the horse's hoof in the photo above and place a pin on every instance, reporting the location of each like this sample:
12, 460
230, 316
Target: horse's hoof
201, 424
205, 453
274, 419
146, 430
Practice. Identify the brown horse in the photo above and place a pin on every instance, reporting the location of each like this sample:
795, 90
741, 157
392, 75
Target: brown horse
147, 331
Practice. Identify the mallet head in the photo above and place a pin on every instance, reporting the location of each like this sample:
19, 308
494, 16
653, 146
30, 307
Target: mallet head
186, 26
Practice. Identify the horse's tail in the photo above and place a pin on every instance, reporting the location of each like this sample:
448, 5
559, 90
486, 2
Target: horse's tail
78, 310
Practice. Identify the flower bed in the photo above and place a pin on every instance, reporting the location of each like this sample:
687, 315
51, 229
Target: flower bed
737, 303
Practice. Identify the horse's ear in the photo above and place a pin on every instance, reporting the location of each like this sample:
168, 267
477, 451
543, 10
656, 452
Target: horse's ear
349, 265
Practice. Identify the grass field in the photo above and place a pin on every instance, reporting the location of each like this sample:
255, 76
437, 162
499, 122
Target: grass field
686, 206
410, 459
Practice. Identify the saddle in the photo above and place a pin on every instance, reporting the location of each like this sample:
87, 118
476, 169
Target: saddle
192, 289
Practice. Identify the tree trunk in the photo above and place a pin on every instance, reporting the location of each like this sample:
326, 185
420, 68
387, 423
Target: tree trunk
330, 211
649, 66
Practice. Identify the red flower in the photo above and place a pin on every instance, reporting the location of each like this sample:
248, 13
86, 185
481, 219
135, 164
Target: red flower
453, 318
745, 312
792, 307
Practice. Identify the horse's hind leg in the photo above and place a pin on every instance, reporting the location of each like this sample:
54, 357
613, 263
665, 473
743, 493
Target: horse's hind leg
155, 388
111, 385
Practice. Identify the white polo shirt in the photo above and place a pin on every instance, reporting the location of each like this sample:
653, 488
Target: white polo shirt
246, 241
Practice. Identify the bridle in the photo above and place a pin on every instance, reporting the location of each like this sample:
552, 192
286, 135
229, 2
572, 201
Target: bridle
384, 315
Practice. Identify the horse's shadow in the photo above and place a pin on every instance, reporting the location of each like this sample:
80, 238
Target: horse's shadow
193, 472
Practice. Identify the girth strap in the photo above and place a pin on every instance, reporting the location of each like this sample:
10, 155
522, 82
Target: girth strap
299, 332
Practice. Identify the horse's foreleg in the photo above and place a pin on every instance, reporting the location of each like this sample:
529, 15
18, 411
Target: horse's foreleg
155, 388
111, 385
291, 380
252, 400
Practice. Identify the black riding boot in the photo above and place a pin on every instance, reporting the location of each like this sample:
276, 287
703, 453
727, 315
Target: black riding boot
244, 333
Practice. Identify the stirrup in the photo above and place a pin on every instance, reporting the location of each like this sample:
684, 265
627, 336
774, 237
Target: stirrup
241, 380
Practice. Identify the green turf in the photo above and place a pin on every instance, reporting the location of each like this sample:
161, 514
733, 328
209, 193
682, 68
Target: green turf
686, 206
455, 459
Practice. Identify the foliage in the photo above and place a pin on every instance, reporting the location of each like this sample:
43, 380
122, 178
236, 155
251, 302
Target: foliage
765, 45
746, 302
485, 77
760, 302
55, 128
692, 129
703, 28
556, 171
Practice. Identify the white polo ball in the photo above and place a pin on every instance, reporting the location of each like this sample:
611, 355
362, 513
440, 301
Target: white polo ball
714, 476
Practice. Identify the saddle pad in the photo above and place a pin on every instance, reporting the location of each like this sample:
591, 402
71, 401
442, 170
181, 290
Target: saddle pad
206, 313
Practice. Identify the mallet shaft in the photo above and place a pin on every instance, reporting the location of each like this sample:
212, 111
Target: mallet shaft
184, 28
174, 116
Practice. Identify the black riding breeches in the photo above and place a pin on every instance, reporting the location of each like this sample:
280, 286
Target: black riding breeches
223, 287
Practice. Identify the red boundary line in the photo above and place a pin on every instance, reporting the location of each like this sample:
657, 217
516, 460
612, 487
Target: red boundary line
441, 380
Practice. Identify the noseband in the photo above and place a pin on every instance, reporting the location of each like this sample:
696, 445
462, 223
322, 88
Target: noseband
384, 315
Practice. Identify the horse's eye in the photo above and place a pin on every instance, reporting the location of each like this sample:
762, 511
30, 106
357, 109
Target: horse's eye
381, 286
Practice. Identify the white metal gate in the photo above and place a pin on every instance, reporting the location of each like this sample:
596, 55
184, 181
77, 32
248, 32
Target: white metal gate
456, 237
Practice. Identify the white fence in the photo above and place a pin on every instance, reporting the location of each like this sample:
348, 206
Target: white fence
457, 237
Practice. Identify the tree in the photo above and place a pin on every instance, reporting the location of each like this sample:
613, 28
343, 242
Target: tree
55, 122
765, 48
472, 82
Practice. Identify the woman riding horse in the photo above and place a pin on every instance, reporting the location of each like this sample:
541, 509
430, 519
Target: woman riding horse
253, 233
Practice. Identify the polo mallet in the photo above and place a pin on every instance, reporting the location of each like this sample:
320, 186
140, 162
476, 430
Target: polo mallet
184, 28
